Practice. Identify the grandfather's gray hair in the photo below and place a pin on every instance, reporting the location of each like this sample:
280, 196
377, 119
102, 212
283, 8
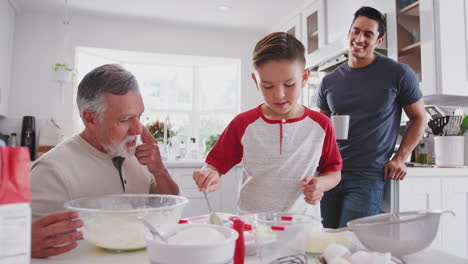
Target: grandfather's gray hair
108, 78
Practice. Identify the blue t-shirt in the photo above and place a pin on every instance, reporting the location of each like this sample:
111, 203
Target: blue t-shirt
373, 97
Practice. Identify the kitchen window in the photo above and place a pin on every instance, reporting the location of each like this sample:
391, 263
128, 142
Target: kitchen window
199, 95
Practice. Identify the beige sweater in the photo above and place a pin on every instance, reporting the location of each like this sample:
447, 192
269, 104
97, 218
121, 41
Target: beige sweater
75, 169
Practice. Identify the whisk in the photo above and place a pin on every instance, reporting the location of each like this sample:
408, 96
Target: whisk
291, 259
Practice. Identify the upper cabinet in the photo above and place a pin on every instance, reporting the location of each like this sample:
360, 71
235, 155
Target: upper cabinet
452, 36
293, 27
7, 25
415, 40
313, 19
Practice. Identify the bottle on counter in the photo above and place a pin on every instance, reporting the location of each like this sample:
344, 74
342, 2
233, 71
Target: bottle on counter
12, 141
194, 153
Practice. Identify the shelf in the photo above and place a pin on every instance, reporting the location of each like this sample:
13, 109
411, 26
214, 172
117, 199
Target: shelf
410, 10
409, 49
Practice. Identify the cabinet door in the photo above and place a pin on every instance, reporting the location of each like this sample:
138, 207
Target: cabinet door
229, 190
314, 26
7, 25
293, 27
454, 228
451, 33
421, 193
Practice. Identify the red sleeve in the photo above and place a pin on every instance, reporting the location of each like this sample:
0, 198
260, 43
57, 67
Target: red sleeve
228, 150
331, 158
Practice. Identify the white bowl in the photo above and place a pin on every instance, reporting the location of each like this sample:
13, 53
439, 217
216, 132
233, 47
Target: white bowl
197, 250
111, 221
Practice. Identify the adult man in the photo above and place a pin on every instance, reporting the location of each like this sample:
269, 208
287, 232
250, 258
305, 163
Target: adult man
102, 159
372, 90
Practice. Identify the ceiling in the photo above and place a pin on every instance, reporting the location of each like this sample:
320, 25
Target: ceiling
254, 15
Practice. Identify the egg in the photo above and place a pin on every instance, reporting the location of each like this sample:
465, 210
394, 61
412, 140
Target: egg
334, 251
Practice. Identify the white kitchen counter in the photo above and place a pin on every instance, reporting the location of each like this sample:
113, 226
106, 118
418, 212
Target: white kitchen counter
88, 254
436, 172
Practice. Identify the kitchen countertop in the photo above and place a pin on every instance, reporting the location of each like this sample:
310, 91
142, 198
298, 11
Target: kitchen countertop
88, 254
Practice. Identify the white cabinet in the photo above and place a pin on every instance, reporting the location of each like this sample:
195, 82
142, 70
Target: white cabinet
452, 33
314, 35
454, 229
420, 194
293, 27
440, 190
223, 200
7, 26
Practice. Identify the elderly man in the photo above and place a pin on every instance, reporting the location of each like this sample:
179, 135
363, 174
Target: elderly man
103, 159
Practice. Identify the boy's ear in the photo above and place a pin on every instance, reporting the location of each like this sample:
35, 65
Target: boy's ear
305, 77
254, 78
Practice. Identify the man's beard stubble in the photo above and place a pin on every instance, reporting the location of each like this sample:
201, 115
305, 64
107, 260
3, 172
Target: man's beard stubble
120, 149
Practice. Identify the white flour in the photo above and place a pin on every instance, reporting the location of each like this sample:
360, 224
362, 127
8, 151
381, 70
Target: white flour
197, 236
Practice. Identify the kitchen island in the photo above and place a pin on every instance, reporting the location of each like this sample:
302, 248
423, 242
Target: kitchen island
88, 254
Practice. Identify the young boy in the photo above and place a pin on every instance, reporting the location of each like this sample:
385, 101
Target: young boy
282, 144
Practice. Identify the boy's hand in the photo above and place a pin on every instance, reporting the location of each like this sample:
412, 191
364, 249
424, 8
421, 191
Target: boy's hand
206, 179
312, 189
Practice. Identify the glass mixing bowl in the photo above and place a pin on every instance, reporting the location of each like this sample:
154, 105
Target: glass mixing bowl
111, 221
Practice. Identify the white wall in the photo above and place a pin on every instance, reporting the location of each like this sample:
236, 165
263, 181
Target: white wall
39, 38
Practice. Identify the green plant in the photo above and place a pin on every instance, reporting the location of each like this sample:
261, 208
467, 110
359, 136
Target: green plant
210, 141
157, 130
62, 66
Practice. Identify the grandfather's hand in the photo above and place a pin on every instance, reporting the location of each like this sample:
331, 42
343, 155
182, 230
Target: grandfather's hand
395, 169
312, 189
207, 180
55, 234
148, 153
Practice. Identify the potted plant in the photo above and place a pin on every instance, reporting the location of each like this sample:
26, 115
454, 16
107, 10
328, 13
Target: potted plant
156, 129
62, 72
210, 141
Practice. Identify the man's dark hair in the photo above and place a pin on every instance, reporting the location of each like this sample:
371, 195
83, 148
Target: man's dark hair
278, 46
374, 14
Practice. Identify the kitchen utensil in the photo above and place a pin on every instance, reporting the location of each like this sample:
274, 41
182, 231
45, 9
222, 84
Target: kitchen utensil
464, 125
438, 124
151, 228
111, 221
214, 219
398, 233
198, 250
453, 126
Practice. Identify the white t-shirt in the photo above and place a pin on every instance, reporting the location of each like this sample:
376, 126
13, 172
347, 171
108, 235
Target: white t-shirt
75, 169
277, 155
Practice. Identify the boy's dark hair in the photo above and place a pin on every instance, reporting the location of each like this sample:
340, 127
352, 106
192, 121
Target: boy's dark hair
278, 46
374, 14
